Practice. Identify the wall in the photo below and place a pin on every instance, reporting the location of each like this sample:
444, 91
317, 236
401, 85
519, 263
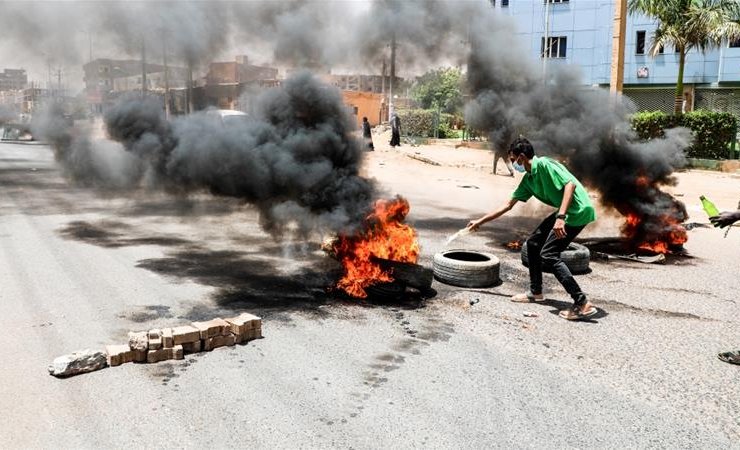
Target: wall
368, 105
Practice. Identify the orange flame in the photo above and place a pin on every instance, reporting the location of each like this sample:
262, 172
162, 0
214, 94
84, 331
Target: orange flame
673, 233
384, 236
514, 245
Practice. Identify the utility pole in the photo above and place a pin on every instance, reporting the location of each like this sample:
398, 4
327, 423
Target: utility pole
143, 69
166, 76
393, 74
190, 87
546, 42
616, 80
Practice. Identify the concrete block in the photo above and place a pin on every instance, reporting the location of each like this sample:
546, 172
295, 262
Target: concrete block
243, 322
155, 339
185, 334
177, 352
119, 354
154, 356
168, 340
138, 340
192, 347
212, 328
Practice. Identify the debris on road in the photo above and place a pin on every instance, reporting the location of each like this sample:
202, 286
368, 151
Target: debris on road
163, 344
658, 258
730, 357
75, 363
530, 314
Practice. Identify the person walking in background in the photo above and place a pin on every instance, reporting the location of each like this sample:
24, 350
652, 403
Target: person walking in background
500, 152
395, 130
367, 134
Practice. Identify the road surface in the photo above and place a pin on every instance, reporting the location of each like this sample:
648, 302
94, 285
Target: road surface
465, 369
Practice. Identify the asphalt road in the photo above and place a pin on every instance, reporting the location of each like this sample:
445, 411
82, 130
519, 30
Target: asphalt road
80, 269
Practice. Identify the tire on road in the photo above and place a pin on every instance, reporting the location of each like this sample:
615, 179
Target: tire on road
465, 268
576, 257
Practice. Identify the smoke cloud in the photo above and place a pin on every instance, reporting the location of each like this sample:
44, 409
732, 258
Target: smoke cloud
565, 119
295, 160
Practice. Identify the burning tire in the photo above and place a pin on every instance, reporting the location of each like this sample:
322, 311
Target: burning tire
466, 268
576, 257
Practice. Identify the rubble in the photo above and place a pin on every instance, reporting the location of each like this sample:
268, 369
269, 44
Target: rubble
162, 344
83, 361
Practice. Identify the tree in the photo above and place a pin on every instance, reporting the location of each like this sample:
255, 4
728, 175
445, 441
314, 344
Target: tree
687, 25
439, 88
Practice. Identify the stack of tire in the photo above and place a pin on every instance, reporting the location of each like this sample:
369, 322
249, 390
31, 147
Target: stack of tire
576, 257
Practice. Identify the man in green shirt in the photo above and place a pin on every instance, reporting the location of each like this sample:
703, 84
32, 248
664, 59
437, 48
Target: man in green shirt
551, 183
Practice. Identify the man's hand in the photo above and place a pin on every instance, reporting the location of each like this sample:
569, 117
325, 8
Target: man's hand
559, 228
725, 219
473, 225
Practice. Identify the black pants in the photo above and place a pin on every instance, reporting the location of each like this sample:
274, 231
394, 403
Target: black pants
543, 252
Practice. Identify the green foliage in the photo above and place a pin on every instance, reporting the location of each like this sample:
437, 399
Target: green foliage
714, 132
420, 123
439, 88
687, 25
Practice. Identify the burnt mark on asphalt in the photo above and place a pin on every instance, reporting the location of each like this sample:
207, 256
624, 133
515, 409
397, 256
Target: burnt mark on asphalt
146, 313
430, 331
245, 281
109, 234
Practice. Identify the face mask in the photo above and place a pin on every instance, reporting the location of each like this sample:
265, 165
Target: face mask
518, 167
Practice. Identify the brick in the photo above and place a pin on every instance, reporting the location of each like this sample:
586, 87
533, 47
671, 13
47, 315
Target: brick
138, 340
243, 322
212, 328
140, 355
192, 347
177, 352
162, 354
218, 341
167, 340
118, 354
256, 333
155, 339
185, 334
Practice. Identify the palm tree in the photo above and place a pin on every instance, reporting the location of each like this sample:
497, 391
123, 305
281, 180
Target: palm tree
689, 24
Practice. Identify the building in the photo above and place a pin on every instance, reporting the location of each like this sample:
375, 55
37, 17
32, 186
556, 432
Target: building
228, 82
580, 33
13, 80
238, 71
105, 78
366, 104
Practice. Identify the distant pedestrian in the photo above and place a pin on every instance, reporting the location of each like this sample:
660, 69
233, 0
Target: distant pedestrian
500, 152
395, 130
367, 134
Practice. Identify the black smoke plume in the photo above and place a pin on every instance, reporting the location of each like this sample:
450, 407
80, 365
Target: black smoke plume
585, 126
295, 160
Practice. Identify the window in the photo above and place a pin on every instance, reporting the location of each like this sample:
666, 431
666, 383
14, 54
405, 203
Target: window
734, 43
555, 1
661, 50
355, 111
504, 3
640, 43
556, 47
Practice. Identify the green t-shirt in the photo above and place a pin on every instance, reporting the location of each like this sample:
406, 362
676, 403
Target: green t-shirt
546, 182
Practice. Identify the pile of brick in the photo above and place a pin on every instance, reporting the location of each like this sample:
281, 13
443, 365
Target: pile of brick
173, 343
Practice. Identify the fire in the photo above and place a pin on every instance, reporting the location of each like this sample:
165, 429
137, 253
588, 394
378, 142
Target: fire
385, 236
656, 234
653, 218
514, 245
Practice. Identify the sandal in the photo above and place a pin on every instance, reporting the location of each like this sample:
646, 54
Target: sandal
730, 357
528, 297
579, 312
